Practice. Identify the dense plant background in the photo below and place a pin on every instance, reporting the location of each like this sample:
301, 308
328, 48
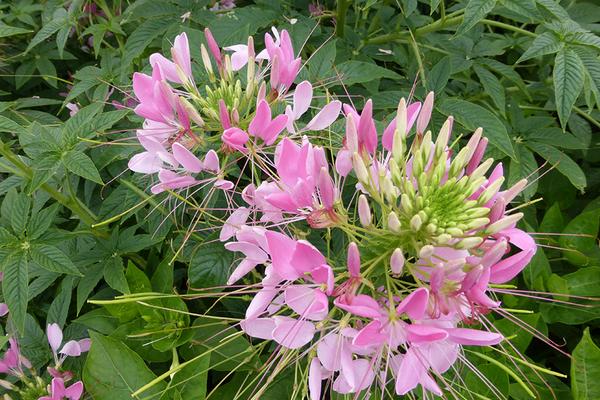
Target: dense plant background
78, 227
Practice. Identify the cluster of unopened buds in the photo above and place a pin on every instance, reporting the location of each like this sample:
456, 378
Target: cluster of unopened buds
33, 386
426, 228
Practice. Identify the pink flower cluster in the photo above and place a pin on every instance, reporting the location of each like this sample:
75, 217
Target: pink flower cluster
427, 229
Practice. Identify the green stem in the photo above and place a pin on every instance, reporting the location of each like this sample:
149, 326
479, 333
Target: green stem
342, 8
26, 172
508, 27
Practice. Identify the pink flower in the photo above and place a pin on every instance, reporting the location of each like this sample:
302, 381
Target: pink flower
58, 391
73, 348
180, 69
13, 362
284, 65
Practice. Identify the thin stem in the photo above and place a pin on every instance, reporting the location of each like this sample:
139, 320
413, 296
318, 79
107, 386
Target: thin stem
508, 27
342, 8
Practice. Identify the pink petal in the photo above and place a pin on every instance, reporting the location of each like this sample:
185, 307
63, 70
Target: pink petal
326, 188
181, 49
302, 97
367, 133
85, 344
343, 162
325, 117
425, 114
261, 328
262, 118
418, 333
407, 376
353, 260
474, 337
415, 304
361, 305
324, 275
74, 391
186, 158
510, 267
3, 309
58, 388
143, 87
167, 67
211, 161
273, 130
71, 348
55, 336
145, 163
308, 302
233, 223
250, 250
280, 249
370, 335
315, 378
306, 257
292, 333
241, 270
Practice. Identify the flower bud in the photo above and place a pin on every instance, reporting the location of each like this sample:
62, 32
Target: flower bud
364, 211
416, 222
207, 63
360, 169
469, 243
426, 251
401, 119
490, 191
353, 260
192, 112
397, 261
517, 188
425, 114
393, 222
503, 223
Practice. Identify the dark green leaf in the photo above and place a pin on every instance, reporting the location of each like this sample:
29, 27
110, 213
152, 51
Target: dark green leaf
475, 11
546, 43
210, 265
113, 371
52, 259
585, 369
563, 163
15, 286
568, 82
80, 164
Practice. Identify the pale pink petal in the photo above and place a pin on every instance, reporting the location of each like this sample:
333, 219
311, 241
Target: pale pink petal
361, 305
85, 344
425, 114
71, 348
292, 333
211, 161
308, 302
370, 335
186, 158
181, 53
167, 67
233, 223
55, 336
302, 97
418, 333
250, 250
74, 391
474, 337
315, 378
261, 328
306, 257
325, 117
343, 162
281, 252
241, 270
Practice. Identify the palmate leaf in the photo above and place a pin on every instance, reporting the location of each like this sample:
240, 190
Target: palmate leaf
475, 11
585, 369
568, 82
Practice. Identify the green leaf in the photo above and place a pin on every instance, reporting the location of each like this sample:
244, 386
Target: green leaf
439, 75
546, 43
142, 36
554, 9
52, 259
492, 87
475, 11
568, 82
91, 277
41, 221
321, 61
114, 274
16, 208
210, 265
59, 308
6, 31
563, 163
352, 72
43, 169
113, 371
10, 126
472, 116
15, 286
579, 239
190, 382
80, 164
586, 39
585, 369
48, 29
212, 336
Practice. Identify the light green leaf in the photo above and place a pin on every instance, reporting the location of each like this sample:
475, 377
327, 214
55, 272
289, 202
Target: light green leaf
563, 163
568, 82
52, 259
546, 43
472, 116
8, 125
15, 286
80, 164
113, 371
475, 11
6, 31
190, 382
15, 208
585, 369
